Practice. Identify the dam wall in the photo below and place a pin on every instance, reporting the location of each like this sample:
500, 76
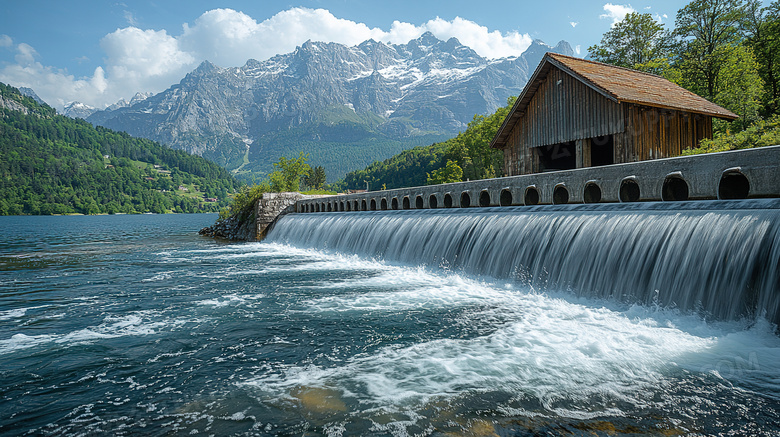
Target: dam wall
739, 174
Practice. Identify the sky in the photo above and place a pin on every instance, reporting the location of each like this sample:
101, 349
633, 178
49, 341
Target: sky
99, 51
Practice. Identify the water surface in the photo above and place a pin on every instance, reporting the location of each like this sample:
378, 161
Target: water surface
135, 325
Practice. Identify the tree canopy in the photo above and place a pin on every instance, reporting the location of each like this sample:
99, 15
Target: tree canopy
632, 43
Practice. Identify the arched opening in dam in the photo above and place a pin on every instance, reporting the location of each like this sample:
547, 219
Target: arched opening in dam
733, 185
629, 191
506, 197
592, 193
674, 188
484, 198
531, 196
560, 195
465, 200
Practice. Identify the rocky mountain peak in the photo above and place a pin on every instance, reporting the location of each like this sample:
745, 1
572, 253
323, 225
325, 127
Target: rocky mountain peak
205, 68
25, 91
346, 106
427, 39
78, 110
564, 48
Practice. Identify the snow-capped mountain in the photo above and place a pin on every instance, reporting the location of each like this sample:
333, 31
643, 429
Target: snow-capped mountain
345, 106
82, 110
78, 110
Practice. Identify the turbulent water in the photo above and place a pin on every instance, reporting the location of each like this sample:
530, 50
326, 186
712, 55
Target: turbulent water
135, 325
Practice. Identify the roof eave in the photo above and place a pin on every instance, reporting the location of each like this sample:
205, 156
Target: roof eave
728, 115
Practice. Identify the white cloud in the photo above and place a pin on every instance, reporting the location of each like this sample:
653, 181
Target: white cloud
577, 49
152, 60
6, 41
479, 38
130, 18
616, 13
25, 54
145, 57
56, 87
573, 23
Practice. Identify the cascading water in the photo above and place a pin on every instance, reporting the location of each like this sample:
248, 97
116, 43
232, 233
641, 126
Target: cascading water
718, 258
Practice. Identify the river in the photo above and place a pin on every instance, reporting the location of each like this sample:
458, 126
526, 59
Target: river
135, 325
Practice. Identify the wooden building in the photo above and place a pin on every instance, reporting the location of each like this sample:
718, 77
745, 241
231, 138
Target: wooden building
577, 113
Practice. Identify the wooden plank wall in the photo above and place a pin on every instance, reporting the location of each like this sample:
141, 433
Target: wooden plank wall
564, 109
653, 133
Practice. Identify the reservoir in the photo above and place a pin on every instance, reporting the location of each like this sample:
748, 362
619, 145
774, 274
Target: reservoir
642, 319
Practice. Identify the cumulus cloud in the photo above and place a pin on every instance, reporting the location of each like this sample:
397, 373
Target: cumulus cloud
488, 44
616, 13
573, 23
152, 60
55, 86
145, 58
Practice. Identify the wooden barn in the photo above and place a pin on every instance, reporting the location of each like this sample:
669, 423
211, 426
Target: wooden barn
577, 113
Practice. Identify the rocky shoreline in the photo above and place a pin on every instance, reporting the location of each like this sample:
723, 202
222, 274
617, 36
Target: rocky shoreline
232, 228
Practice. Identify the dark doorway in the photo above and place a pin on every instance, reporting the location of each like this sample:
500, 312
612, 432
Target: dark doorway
602, 150
557, 157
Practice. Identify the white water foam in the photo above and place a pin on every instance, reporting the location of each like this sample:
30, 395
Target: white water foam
135, 324
13, 314
558, 349
400, 289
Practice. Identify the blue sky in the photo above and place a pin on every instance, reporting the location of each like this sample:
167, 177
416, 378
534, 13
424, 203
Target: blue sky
97, 51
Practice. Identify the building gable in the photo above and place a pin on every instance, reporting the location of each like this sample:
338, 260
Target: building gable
564, 109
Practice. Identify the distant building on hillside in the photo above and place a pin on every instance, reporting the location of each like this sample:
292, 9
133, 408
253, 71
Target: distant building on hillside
576, 113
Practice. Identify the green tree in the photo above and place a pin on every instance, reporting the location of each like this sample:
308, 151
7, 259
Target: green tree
706, 30
634, 42
315, 178
288, 173
739, 86
471, 149
763, 29
451, 172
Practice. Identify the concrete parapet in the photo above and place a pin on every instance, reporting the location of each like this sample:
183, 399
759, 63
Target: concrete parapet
739, 174
274, 205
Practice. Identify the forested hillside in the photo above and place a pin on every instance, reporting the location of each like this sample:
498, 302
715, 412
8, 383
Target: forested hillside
51, 164
470, 154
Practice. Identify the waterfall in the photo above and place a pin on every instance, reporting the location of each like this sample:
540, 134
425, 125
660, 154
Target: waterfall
718, 258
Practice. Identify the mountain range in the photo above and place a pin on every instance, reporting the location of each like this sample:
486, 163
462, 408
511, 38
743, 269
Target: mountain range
344, 106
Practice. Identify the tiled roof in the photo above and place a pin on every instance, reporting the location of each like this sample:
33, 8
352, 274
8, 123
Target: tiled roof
618, 84
633, 86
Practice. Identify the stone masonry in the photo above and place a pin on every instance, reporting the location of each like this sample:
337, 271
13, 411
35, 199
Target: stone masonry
274, 205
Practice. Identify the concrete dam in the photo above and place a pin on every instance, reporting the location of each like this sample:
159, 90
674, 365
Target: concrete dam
698, 234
